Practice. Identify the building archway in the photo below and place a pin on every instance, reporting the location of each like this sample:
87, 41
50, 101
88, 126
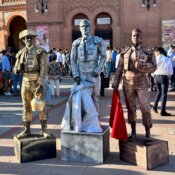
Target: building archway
75, 25
17, 24
103, 28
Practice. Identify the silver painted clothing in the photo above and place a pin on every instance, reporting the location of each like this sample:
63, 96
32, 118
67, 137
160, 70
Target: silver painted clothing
80, 113
88, 55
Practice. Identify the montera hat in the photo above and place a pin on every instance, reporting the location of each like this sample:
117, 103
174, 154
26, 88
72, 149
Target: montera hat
27, 32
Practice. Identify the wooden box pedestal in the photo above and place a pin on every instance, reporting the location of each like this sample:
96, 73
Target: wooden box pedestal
147, 157
35, 147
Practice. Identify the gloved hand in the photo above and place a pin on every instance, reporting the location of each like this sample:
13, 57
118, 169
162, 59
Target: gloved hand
94, 74
22, 67
77, 79
39, 90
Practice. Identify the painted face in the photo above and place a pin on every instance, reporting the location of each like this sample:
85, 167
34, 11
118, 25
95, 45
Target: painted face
136, 38
85, 28
28, 40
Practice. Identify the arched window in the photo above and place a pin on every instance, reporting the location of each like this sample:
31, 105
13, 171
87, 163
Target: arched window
103, 29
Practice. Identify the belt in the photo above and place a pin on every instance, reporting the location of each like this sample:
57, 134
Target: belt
31, 76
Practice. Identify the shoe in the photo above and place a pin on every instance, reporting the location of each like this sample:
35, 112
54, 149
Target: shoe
164, 113
172, 90
7, 93
132, 138
148, 141
154, 109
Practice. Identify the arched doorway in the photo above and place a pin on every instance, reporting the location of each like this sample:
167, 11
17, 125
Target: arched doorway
103, 29
75, 23
17, 24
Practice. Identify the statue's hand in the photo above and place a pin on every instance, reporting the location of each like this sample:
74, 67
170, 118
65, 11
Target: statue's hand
77, 79
114, 88
22, 67
39, 90
94, 74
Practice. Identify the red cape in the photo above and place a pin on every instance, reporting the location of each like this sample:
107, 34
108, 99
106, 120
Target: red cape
117, 121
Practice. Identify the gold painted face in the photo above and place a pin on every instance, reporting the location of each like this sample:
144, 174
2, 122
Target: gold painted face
28, 40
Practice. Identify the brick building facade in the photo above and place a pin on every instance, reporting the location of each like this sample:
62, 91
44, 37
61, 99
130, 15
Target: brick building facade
12, 20
113, 20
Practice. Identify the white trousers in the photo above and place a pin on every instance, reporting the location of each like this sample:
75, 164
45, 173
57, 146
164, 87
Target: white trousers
55, 84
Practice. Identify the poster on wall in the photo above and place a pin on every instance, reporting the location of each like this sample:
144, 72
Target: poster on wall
168, 32
42, 38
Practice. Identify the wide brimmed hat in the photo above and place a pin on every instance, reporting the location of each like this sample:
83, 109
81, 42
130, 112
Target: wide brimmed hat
3, 51
27, 32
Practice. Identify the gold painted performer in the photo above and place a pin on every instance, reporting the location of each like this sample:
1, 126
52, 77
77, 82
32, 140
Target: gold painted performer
32, 62
134, 64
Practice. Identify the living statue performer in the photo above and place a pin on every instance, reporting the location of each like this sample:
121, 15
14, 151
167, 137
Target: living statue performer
32, 62
87, 61
134, 65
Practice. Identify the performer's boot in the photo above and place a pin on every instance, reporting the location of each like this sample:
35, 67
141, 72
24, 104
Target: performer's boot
26, 132
132, 137
148, 140
44, 131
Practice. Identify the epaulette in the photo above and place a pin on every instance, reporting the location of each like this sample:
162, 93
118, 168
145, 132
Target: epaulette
20, 52
97, 40
148, 51
76, 42
125, 49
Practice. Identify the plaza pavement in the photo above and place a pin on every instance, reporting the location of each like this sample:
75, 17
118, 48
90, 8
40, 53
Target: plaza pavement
10, 123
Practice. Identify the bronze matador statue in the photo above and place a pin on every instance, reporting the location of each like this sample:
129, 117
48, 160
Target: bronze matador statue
135, 63
32, 62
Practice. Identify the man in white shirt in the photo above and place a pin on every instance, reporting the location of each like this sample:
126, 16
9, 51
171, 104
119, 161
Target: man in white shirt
161, 76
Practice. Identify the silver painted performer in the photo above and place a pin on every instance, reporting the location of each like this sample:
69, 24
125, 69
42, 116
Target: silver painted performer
87, 58
87, 61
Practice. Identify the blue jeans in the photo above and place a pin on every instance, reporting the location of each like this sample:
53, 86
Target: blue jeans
48, 92
17, 78
162, 85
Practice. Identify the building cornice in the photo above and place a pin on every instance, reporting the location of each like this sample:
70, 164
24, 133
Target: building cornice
12, 3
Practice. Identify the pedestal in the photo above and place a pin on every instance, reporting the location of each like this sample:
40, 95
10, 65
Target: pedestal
35, 147
147, 157
85, 147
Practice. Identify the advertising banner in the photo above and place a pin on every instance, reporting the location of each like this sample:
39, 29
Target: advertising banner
168, 32
42, 38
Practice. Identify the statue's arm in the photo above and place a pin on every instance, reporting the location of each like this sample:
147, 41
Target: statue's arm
43, 64
118, 74
74, 61
102, 55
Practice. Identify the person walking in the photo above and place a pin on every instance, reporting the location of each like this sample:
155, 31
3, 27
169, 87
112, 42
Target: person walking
161, 76
54, 71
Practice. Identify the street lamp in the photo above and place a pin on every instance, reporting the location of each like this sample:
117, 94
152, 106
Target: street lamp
148, 3
42, 7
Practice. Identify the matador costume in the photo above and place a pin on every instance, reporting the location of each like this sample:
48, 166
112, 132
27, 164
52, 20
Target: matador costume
134, 64
35, 69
